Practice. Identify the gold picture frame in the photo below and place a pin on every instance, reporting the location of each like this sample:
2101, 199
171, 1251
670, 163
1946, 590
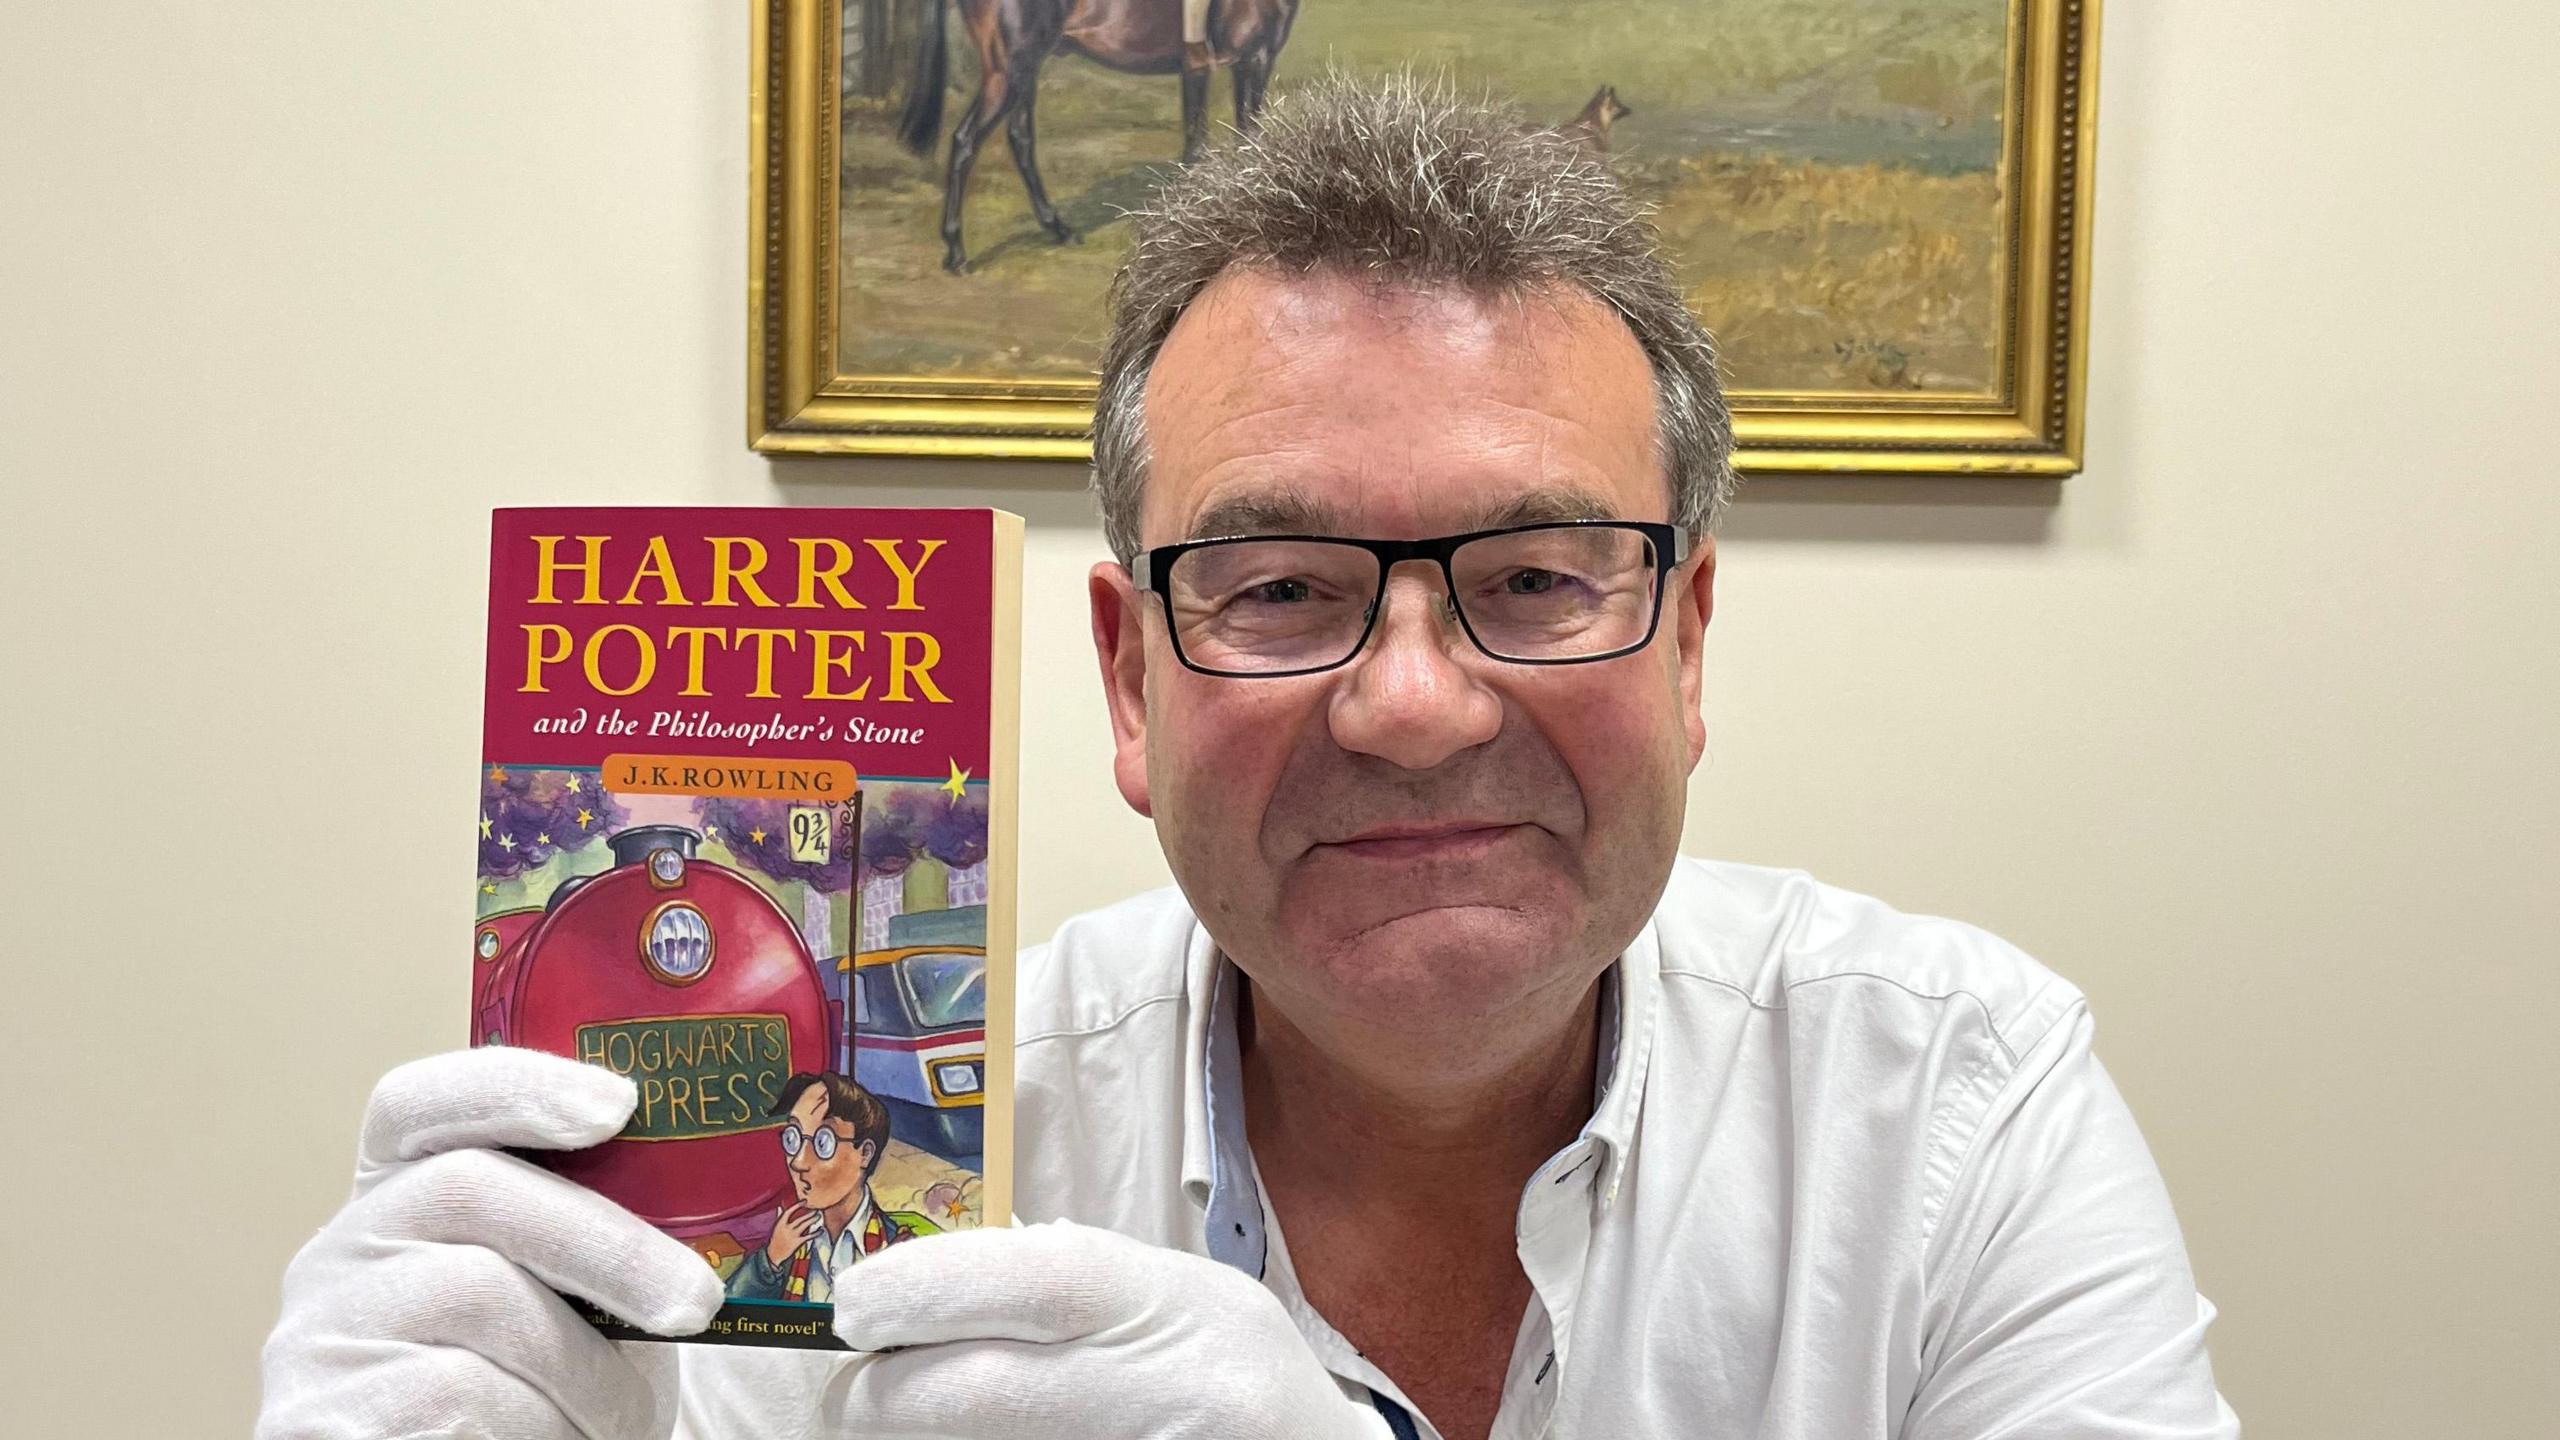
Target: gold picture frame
2025, 421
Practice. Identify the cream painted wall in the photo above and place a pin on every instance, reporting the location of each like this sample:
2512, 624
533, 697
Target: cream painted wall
2248, 729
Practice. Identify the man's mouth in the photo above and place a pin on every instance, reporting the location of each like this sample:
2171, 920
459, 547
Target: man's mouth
1425, 840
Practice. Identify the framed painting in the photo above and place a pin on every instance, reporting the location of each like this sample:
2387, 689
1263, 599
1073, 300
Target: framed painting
1879, 207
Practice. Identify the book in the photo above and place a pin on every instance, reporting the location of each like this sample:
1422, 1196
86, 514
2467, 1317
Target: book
746, 835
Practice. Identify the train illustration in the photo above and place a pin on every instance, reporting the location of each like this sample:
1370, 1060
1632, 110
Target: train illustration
686, 974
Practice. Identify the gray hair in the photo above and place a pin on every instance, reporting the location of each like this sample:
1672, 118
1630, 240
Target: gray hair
1403, 181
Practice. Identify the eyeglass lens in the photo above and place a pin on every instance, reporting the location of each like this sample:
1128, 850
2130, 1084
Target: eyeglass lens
823, 1141
1254, 606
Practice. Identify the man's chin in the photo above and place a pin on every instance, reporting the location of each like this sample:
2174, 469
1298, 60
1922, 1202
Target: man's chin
1453, 957
1505, 903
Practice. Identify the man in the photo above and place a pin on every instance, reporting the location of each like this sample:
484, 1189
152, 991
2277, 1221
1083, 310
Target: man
831, 1145
1442, 1097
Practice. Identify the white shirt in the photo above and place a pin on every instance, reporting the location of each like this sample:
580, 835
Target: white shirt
1851, 1173
840, 1252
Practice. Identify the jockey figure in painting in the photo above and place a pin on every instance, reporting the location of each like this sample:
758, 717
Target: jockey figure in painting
1196, 54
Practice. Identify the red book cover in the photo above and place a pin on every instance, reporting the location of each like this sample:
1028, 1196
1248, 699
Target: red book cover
746, 835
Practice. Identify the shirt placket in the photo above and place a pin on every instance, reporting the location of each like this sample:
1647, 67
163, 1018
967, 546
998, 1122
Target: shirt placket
1555, 1240
1553, 1235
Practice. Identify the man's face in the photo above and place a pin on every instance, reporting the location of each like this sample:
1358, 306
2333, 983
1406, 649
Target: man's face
1425, 833
825, 1184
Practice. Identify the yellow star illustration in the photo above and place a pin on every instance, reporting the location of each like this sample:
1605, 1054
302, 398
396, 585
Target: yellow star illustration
488, 889
506, 842
498, 774
484, 827
958, 785
586, 817
755, 837
542, 839
574, 786
710, 832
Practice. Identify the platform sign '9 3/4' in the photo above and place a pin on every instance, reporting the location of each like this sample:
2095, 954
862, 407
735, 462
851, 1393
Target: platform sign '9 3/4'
812, 833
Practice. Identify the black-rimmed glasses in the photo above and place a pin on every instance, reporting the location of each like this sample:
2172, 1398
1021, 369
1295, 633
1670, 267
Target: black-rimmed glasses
1560, 593
821, 1141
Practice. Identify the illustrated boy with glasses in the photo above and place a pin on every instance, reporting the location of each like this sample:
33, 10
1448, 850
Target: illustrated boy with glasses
832, 1146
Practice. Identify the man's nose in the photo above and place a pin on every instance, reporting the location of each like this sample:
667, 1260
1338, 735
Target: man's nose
1409, 697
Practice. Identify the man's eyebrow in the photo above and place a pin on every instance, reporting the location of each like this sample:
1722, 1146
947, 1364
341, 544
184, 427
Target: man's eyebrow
1539, 507
1272, 512
1291, 512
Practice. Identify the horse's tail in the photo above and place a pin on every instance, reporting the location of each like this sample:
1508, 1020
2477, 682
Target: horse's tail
921, 124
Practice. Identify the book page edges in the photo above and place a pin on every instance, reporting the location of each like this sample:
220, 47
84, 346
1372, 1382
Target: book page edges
1004, 759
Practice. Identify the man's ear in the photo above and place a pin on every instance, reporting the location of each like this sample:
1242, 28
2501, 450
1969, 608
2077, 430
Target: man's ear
1691, 604
1120, 643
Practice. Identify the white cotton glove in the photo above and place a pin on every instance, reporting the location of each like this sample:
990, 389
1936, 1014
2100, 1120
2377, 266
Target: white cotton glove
1060, 1332
425, 1308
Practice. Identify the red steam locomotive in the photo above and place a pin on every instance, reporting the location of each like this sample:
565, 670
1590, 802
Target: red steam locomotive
685, 975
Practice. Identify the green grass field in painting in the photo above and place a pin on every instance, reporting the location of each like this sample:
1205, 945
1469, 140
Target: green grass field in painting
1823, 171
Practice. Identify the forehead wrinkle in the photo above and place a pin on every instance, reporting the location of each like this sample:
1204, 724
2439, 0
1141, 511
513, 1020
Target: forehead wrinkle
1621, 483
1225, 425
1567, 456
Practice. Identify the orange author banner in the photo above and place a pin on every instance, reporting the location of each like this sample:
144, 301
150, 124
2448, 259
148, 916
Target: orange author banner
745, 779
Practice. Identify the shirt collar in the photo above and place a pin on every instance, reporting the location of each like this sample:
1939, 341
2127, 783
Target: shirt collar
1628, 1016
854, 1226
1217, 1161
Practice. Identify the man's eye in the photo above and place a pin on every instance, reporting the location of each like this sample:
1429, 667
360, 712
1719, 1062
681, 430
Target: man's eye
1531, 582
1278, 592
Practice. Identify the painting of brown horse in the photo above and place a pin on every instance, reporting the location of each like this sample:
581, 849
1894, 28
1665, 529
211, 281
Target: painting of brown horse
1832, 178
1014, 38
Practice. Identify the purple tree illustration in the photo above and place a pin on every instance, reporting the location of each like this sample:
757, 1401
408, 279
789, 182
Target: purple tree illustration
529, 816
917, 821
956, 834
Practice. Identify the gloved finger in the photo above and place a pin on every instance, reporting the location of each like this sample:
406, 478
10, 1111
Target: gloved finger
568, 1236
490, 1097
1012, 1390
988, 1390
415, 1390
1043, 1283
462, 1297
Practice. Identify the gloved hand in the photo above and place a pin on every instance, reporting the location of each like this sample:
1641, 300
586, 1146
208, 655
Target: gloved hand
1060, 1332
425, 1306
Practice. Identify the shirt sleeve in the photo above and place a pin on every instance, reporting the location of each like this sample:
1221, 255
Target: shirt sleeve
2058, 1301
756, 1278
